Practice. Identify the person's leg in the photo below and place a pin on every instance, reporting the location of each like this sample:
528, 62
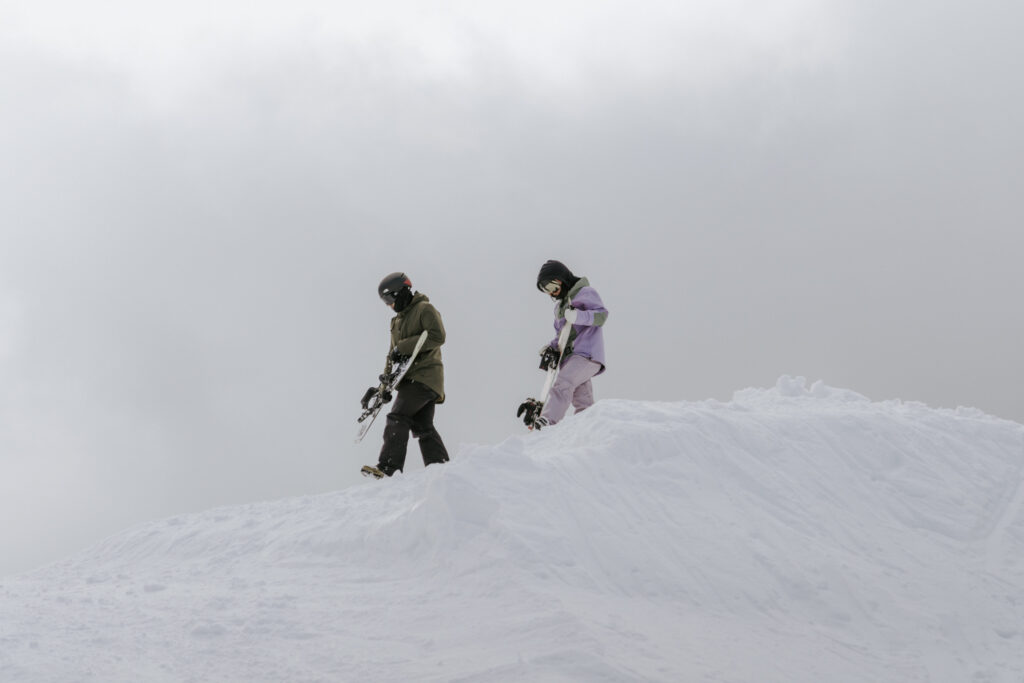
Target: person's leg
573, 373
583, 397
431, 446
412, 398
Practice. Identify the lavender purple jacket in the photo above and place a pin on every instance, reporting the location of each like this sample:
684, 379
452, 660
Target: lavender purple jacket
586, 338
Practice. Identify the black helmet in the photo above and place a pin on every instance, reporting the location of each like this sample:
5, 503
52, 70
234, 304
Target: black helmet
392, 286
555, 270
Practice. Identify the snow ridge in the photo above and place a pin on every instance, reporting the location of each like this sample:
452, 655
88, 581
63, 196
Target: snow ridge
791, 534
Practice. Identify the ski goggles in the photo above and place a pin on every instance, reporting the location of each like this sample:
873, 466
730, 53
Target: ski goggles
551, 286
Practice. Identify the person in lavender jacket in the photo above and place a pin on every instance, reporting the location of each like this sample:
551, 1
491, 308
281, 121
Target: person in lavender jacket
577, 304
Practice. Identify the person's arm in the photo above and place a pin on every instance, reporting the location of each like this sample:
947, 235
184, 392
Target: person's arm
587, 309
430, 319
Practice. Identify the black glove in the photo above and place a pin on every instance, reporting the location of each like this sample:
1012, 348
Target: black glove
374, 392
529, 410
548, 357
367, 397
396, 357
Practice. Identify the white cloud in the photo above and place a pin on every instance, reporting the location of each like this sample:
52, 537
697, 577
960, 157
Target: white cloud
173, 46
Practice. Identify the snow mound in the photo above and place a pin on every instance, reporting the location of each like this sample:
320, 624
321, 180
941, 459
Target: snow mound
792, 534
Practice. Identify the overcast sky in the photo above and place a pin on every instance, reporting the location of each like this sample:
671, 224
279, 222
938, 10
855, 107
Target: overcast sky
197, 204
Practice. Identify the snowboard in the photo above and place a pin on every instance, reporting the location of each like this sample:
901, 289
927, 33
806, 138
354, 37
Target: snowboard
533, 406
388, 382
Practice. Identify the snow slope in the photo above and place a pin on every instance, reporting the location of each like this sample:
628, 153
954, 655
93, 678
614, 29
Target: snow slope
789, 535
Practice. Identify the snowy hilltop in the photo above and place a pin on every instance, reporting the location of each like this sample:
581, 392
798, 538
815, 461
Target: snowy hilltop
790, 535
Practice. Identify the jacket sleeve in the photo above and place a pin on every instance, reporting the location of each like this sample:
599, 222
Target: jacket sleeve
558, 323
430, 320
590, 309
554, 342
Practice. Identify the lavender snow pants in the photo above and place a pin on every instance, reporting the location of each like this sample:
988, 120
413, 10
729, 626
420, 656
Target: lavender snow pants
572, 385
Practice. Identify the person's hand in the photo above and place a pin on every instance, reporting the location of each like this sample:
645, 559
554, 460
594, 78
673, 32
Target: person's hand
529, 411
571, 315
397, 357
367, 397
548, 357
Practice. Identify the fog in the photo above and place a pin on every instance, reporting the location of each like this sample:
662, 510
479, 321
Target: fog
196, 206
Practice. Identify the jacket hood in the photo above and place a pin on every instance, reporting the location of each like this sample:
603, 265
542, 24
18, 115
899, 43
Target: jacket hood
581, 282
556, 270
564, 301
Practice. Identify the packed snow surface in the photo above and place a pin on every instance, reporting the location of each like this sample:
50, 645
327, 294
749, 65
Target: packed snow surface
793, 534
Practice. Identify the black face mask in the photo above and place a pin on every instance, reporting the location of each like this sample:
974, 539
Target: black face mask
403, 299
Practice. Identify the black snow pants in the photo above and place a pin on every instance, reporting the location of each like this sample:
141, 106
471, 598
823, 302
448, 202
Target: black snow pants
413, 411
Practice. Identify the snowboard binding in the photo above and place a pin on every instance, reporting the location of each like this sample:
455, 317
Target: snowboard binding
549, 358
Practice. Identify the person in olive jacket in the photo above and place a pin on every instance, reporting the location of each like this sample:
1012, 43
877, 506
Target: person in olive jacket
423, 385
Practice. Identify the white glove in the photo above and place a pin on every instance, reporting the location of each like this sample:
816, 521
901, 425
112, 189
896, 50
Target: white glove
570, 315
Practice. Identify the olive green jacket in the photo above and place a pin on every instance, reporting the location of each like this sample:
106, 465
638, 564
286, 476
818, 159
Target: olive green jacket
406, 328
